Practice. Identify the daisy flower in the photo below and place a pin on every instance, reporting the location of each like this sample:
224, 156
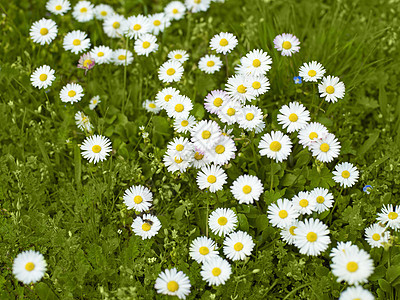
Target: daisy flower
247, 188
173, 283
312, 71
275, 145
146, 44
103, 11
390, 215
175, 10
312, 237
205, 134
180, 146
94, 102
102, 54
255, 63
304, 203
42, 77
287, 44
288, 234
43, 31
146, 227
175, 162
342, 247
223, 151
115, 25
96, 148
170, 71
122, 57
331, 89
29, 266
310, 133
323, 199
86, 62
239, 88
212, 177
197, 5
356, 292
199, 159
326, 149
250, 118
158, 22
346, 174
184, 125
376, 235
76, 41
83, 11
165, 95
214, 100
137, 25
353, 266
179, 107
58, 7
210, 64
216, 271
282, 214
72, 92
83, 122
223, 42
202, 249
230, 112
222, 221
178, 55
151, 106
238, 245
293, 117
138, 197
258, 85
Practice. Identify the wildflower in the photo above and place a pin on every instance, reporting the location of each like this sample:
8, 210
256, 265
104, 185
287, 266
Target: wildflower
179, 107
223, 42
326, 149
311, 133
293, 116
94, 102
275, 145
178, 55
72, 92
205, 134
151, 106
287, 233
83, 11
137, 25
103, 11
251, 118
43, 31
212, 177
323, 199
122, 57
312, 71
255, 63
230, 112
173, 283
181, 147
210, 64
282, 214
203, 248
287, 44
170, 71
216, 271
356, 292
390, 215
214, 100
146, 227
164, 96
376, 235
138, 197
346, 174
184, 125
86, 62
83, 122
76, 41
367, 189
146, 44
29, 266
42, 77
238, 245
258, 85
223, 151
304, 203
196, 6
158, 22
175, 162
239, 88
331, 89
102, 54
312, 237
297, 80
175, 10
222, 221
115, 25
58, 7
96, 148
247, 188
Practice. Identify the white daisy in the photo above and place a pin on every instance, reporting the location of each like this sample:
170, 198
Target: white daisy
331, 89
238, 245
178, 55
146, 227
282, 214
376, 235
323, 199
258, 85
205, 134
275, 145
115, 25
202, 249
223, 42
356, 292
312, 71
256, 63
158, 22
179, 107
293, 117
180, 146
353, 266
230, 112
165, 95
58, 7
151, 106
29, 266
197, 5
247, 188
42, 77
122, 57
199, 159
83, 11
137, 25
146, 44
170, 71
312, 237
304, 203
76, 41
251, 118
222, 221
175, 10
223, 151
311, 133
341, 247
216, 271
96, 148
103, 11
239, 88
83, 122
288, 234
390, 215
94, 102
210, 64
212, 177
102, 54
287, 44
173, 283
175, 162
138, 197
346, 174
43, 31
214, 100
184, 125
326, 149
72, 92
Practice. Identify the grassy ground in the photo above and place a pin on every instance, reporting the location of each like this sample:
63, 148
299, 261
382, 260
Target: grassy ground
71, 211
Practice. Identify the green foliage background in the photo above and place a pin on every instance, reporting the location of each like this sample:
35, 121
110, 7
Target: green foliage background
71, 211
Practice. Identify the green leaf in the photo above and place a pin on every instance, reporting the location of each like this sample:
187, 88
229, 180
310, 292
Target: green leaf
179, 212
198, 111
393, 273
384, 285
262, 222
44, 292
383, 99
288, 179
369, 143
243, 223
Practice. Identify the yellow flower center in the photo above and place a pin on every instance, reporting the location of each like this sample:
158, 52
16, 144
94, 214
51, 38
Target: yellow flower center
238, 246
96, 148
220, 149
223, 42
283, 214
178, 160
58, 7
345, 174
167, 98
249, 116
204, 250
137, 199
376, 237
178, 56
211, 179
100, 54
172, 286
198, 156
116, 25
197, 1
222, 221
184, 123
87, 62
175, 11
324, 147
293, 117
256, 85
256, 63
76, 42
330, 89
103, 13
179, 147
179, 107
231, 111
44, 31
83, 9
218, 102
156, 23
152, 105
320, 199
71, 93
146, 45
352, 266
246, 189
392, 215
286, 45
137, 27
121, 57
275, 146
313, 135
291, 230
171, 71
303, 202
206, 134
312, 73
210, 63
43, 77
216, 271
311, 237
241, 89
29, 266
